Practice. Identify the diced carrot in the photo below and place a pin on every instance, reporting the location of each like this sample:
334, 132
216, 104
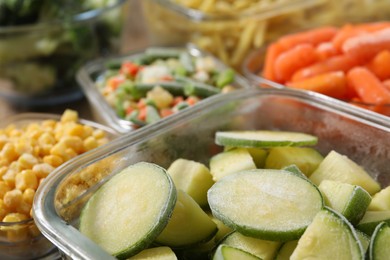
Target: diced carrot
129, 69
141, 103
292, 60
166, 112
273, 51
366, 46
368, 87
380, 65
326, 50
333, 84
114, 82
191, 100
177, 100
142, 114
129, 109
314, 37
337, 63
348, 31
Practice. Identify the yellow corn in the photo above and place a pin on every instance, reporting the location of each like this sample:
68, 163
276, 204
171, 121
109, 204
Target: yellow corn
69, 116
8, 152
4, 188
90, 143
42, 170
27, 161
26, 179
12, 199
53, 160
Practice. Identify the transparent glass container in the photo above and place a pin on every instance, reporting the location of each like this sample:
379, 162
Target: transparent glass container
103, 112
38, 61
23, 240
363, 136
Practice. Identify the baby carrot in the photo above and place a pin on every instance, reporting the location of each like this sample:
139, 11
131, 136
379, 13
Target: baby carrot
336, 63
368, 87
290, 61
314, 37
366, 46
351, 30
272, 53
380, 65
333, 84
326, 50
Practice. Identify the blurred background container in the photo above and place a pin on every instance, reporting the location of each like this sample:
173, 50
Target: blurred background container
42, 44
231, 29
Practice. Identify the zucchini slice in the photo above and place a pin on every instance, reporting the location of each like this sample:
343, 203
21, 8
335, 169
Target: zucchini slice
330, 235
267, 204
225, 252
264, 138
128, 212
379, 246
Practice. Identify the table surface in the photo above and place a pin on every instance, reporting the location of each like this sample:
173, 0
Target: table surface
134, 38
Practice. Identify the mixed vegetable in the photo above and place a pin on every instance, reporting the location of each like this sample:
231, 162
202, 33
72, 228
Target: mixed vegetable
42, 44
349, 63
160, 82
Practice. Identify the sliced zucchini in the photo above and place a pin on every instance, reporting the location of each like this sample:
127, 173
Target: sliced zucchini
363, 238
189, 225
263, 138
230, 162
381, 200
259, 156
306, 159
223, 230
286, 250
225, 252
108, 217
295, 170
263, 249
380, 241
267, 204
340, 168
155, 253
350, 200
192, 177
372, 219
330, 235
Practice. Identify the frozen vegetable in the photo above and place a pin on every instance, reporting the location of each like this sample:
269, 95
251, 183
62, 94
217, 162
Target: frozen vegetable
160, 82
348, 63
29, 153
258, 210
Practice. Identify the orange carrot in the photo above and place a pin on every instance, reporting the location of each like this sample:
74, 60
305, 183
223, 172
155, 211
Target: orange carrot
272, 53
386, 83
366, 46
166, 112
326, 50
333, 84
292, 60
380, 65
348, 31
368, 87
336, 63
314, 37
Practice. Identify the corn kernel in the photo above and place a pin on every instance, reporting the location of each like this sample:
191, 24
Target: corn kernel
28, 195
74, 142
27, 161
17, 232
26, 179
14, 217
69, 116
12, 199
9, 177
49, 124
24, 208
3, 209
15, 133
59, 149
88, 131
90, 143
8, 152
46, 138
41, 170
3, 140
4, 188
76, 130
3, 170
71, 153
53, 160
33, 230
45, 150
98, 134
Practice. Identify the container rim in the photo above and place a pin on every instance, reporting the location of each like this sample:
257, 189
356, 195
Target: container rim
263, 13
51, 224
86, 16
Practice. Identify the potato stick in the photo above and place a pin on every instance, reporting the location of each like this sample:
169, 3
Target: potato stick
366, 46
244, 42
380, 65
333, 84
221, 52
314, 37
341, 62
368, 87
292, 60
260, 34
207, 6
348, 31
